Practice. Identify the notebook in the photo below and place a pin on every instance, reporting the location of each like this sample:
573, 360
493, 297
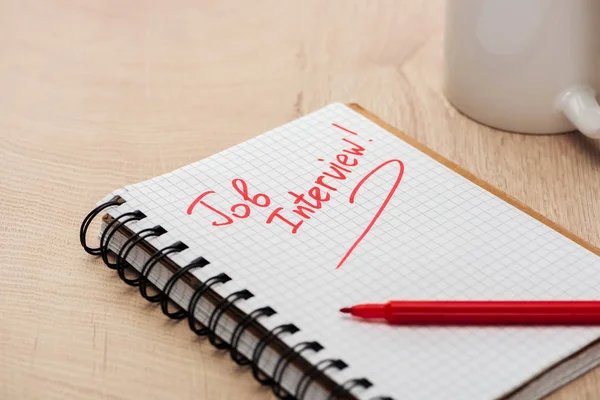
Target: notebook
260, 245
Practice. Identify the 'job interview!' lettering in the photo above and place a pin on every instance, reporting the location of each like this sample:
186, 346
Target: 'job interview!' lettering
308, 203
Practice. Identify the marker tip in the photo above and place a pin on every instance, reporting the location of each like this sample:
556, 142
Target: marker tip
346, 310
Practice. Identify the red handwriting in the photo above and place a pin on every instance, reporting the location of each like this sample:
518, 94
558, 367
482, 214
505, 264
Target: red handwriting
260, 200
245, 213
306, 203
199, 200
381, 208
313, 199
276, 213
344, 129
240, 210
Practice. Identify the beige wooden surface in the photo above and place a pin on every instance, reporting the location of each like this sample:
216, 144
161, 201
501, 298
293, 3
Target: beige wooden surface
96, 95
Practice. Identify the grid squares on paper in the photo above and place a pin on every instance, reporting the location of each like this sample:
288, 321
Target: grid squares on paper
440, 237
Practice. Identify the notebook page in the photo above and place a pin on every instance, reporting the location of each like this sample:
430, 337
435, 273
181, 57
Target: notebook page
414, 230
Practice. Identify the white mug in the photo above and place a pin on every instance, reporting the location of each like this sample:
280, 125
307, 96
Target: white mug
526, 66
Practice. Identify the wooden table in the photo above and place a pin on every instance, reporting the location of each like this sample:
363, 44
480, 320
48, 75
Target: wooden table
96, 95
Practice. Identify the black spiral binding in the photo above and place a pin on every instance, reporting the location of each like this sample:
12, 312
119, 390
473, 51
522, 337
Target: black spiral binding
115, 201
241, 328
111, 229
136, 238
262, 344
141, 279
179, 312
218, 312
314, 371
193, 323
347, 386
285, 360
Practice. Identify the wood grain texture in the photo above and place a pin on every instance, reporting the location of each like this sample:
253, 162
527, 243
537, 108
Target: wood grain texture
96, 95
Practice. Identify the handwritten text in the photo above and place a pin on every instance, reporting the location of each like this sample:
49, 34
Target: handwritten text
308, 202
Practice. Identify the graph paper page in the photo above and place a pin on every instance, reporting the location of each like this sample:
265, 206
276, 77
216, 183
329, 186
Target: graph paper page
332, 210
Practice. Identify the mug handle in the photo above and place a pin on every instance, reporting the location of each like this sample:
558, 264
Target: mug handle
578, 103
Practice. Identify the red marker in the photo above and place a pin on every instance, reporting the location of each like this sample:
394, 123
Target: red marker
481, 312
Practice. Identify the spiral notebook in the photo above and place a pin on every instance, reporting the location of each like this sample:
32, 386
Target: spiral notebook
259, 246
